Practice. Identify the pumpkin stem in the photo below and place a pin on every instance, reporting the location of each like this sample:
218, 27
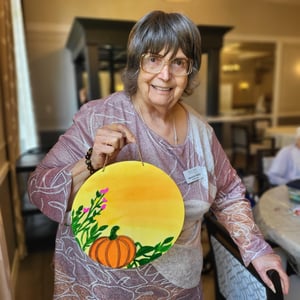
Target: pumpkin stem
113, 232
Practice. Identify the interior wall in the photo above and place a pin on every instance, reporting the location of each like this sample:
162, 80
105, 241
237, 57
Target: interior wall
248, 85
48, 24
290, 84
251, 17
52, 78
198, 99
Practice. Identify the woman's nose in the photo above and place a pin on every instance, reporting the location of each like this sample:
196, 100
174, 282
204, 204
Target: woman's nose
165, 73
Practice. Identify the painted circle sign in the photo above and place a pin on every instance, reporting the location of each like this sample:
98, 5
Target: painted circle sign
127, 214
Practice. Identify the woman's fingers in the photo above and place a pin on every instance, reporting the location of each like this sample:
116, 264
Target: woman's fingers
109, 140
115, 134
268, 262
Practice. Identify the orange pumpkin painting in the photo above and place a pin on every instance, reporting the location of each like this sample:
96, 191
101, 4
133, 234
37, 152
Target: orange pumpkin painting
113, 251
138, 200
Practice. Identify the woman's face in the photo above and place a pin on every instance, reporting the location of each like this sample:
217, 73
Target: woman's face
163, 89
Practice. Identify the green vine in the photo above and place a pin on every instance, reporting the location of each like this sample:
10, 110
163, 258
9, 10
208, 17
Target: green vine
146, 254
84, 225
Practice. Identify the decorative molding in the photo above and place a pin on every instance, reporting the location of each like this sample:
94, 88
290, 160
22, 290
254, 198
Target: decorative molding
4, 171
284, 2
15, 267
178, 1
289, 114
47, 27
265, 39
2, 144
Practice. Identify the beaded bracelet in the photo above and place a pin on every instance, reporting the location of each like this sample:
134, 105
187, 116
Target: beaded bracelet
88, 161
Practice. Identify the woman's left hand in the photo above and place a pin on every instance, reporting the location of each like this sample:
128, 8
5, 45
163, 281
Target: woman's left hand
268, 262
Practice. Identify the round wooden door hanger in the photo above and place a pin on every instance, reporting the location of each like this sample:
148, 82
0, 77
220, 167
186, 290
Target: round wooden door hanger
127, 215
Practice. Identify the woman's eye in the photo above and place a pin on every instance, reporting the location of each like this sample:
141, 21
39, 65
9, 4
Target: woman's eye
179, 62
153, 59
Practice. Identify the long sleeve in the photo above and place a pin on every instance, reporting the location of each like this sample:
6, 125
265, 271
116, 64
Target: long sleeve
226, 194
235, 213
50, 185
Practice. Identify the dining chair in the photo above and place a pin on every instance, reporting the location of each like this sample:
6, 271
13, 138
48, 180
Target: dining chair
265, 158
233, 280
259, 127
242, 142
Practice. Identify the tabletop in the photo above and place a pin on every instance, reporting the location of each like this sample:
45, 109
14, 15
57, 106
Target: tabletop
284, 135
275, 217
28, 161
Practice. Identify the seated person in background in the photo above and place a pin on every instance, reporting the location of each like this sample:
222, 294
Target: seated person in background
286, 165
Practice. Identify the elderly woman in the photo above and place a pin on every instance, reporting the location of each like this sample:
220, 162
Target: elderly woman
164, 53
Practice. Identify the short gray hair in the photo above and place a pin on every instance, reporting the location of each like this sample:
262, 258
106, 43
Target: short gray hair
156, 31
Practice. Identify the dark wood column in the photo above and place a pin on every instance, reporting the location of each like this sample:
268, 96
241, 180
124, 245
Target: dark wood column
213, 82
95, 44
91, 64
212, 43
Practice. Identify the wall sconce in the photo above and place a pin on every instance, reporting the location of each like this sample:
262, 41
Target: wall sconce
231, 68
297, 69
244, 85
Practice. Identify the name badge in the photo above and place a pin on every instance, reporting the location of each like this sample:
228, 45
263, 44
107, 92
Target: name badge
192, 175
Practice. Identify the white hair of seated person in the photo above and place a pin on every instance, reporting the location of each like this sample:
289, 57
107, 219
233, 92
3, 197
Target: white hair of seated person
297, 136
298, 132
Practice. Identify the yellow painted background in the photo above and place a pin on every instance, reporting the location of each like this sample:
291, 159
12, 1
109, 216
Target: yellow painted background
143, 200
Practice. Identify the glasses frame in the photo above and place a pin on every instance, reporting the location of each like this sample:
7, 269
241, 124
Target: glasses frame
190, 64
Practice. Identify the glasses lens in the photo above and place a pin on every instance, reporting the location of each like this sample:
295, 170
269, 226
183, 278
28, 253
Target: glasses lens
180, 66
152, 63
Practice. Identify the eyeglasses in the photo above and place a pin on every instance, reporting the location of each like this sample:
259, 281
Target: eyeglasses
154, 63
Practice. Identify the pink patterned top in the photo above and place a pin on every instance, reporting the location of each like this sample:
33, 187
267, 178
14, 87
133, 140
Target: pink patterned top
176, 274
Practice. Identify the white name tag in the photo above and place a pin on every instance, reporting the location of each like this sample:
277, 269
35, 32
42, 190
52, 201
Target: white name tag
192, 175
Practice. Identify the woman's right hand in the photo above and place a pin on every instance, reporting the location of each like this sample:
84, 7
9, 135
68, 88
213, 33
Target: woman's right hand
109, 140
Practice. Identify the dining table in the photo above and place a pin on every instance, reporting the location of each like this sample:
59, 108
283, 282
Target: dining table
278, 218
283, 134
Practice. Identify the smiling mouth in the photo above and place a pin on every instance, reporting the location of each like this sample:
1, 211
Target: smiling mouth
163, 89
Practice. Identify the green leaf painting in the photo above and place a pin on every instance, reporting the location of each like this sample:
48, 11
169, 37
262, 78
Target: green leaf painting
87, 230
